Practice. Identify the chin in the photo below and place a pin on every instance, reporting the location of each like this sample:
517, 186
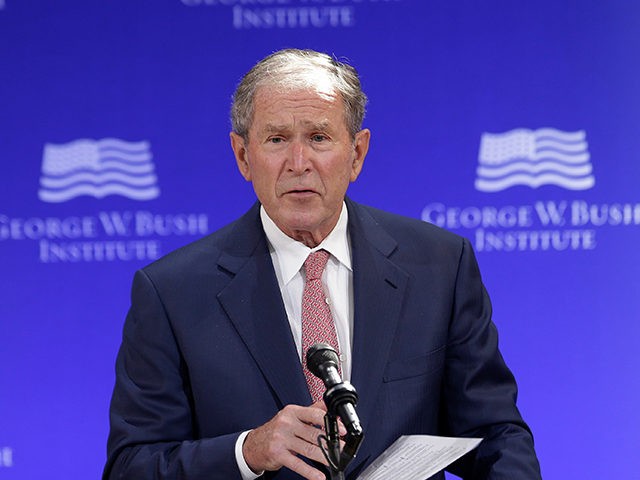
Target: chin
302, 221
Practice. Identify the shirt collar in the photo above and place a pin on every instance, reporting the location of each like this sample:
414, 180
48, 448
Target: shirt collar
292, 253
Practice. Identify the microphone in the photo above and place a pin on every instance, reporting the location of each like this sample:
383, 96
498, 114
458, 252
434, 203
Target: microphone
341, 397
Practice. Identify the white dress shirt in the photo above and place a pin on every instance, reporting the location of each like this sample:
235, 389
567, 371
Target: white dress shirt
288, 257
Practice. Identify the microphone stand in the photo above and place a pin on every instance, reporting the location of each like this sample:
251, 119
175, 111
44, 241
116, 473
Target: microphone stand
340, 399
333, 447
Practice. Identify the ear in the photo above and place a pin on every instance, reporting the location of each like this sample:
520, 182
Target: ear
240, 151
360, 149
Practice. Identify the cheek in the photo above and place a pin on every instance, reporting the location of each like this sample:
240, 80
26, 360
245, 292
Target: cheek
261, 170
266, 181
261, 182
339, 178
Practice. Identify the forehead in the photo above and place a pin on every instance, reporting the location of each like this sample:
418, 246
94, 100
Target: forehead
280, 107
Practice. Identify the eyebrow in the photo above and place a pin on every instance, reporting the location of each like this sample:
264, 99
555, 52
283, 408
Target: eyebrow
271, 128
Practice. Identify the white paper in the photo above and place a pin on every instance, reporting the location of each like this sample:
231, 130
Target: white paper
417, 457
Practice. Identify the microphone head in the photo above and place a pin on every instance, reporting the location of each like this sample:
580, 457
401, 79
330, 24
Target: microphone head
321, 354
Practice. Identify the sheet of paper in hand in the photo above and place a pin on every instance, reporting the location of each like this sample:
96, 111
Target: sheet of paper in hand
417, 457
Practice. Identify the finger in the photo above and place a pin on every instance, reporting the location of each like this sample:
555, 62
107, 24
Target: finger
342, 430
306, 449
308, 433
311, 415
291, 432
319, 404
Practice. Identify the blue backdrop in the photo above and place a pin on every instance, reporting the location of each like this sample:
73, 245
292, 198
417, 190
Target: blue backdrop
514, 124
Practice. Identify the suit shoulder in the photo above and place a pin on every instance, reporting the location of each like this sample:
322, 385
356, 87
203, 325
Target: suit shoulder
197, 255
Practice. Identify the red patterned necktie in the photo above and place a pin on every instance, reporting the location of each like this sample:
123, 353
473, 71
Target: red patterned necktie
317, 322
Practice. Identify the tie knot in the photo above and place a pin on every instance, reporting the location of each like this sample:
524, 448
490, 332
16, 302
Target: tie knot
315, 263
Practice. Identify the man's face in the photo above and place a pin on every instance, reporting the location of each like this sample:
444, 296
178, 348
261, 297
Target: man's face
300, 158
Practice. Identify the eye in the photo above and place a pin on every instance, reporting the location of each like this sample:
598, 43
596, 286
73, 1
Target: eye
318, 137
275, 140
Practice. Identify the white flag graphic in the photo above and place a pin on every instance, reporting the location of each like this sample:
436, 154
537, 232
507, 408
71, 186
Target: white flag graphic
533, 158
97, 168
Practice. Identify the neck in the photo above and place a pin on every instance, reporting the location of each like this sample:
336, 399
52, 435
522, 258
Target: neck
310, 239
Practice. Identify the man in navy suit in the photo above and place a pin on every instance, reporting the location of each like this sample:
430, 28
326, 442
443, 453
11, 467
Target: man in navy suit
209, 381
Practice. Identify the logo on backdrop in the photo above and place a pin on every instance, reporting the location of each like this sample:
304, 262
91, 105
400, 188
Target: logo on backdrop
97, 168
532, 159
6, 457
288, 13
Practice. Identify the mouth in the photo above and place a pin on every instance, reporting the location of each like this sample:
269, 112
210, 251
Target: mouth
300, 192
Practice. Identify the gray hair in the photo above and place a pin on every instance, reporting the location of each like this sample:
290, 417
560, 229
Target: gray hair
293, 69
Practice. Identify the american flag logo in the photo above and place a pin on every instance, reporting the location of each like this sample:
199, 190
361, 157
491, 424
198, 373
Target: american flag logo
97, 168
534, 158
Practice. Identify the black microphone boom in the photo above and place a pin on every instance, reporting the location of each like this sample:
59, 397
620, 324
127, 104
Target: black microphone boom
340, 397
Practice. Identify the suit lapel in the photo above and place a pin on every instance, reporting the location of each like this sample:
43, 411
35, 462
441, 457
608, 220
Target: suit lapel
253, 302
379, 289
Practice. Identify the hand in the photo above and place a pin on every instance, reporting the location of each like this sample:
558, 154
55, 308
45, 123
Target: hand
293, 431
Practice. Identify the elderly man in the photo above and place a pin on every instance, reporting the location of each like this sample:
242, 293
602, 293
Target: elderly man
210, 380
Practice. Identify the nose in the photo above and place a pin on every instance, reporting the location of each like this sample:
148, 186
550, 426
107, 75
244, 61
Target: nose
299, 157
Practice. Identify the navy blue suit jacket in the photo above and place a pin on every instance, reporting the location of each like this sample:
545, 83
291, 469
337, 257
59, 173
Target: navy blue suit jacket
207, 353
